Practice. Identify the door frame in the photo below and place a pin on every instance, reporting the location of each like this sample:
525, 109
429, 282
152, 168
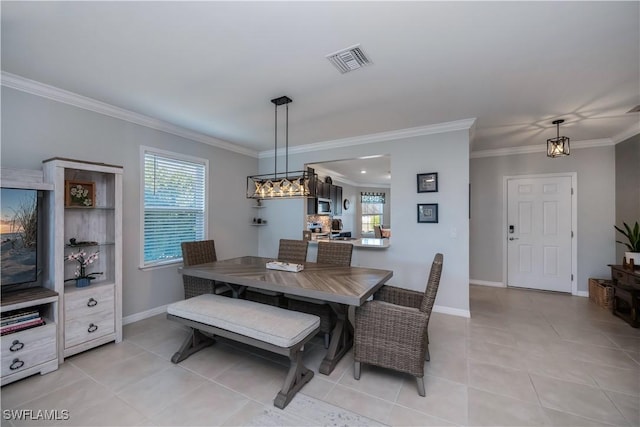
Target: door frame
574, 223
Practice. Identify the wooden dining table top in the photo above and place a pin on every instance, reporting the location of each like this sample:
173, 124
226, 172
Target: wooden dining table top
343, 285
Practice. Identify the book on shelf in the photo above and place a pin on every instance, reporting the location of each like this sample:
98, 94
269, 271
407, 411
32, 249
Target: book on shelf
17, 316
27, 324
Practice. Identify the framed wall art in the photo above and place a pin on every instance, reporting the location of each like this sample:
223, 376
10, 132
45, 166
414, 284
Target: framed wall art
428, 212
428, 182
80, 194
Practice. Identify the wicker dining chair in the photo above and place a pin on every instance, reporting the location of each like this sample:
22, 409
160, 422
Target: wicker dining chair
200, 252
294, 251
392, 330
338, 254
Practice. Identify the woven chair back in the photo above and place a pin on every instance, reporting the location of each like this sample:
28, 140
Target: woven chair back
432, 285
293, 251
335, 253
200, 252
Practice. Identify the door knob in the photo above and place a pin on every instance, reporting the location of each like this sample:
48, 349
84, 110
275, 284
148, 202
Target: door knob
513, 238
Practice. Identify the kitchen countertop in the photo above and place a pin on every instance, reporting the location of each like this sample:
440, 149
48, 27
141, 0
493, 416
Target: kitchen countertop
358, 243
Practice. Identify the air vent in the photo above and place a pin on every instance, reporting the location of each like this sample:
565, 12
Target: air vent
349, 59
635, 109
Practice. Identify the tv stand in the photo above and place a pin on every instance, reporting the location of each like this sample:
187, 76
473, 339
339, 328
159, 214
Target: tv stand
30, 351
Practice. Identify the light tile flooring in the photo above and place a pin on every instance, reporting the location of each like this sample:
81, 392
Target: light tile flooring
524, 358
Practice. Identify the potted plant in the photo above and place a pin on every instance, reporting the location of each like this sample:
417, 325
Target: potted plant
81, 278
633, 236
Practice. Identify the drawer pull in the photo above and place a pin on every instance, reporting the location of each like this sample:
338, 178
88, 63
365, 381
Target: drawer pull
16, 364
92, 302
92, 328
16, 346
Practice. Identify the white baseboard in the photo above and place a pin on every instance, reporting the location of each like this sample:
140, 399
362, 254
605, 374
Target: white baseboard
582, 294
452, 311
144, 314
487, 283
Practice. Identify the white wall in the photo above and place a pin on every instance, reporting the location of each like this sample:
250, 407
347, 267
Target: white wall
35, 129
595, 168
413, 245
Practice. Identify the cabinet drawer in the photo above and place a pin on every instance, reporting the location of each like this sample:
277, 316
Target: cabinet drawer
30, 348
80, 304
619, 275
87, 328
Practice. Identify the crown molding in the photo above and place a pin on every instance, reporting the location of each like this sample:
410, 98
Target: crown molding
539, 148
465, 124
631, 132
33, 87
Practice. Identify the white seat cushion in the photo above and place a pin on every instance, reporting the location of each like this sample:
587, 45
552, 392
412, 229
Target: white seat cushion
262, 322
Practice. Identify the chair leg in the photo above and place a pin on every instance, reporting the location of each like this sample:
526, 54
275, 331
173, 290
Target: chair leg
356, 370
327, 340
427, 356
420, 381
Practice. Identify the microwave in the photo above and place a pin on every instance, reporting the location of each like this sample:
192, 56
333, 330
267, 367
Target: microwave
324, 207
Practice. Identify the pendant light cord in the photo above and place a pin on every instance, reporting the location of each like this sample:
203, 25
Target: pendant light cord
275, 149
287, 143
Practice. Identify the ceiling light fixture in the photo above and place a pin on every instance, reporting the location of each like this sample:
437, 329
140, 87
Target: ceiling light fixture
558, 146
276, 186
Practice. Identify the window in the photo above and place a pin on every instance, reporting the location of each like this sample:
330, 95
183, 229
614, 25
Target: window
174, 204
372, 210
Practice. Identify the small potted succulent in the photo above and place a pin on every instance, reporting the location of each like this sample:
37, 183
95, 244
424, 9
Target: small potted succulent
633, 244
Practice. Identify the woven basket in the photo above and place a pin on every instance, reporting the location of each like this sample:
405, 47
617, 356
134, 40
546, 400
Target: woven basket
601, 292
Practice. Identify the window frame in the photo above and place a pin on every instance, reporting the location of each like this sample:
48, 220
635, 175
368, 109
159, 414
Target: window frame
181, 157
362, 215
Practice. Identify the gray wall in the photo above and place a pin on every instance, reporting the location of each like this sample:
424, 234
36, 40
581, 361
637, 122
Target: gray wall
595, 168
413, 245
627, 188
35, 128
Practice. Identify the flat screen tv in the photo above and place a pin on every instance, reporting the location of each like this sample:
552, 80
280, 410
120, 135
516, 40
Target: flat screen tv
19, 232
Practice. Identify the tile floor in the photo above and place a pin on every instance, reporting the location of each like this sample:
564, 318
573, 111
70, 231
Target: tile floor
524, 358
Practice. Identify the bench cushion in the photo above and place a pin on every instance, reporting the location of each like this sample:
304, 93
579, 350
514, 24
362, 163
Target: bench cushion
277, 326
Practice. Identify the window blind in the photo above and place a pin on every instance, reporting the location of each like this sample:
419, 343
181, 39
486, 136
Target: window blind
174, 206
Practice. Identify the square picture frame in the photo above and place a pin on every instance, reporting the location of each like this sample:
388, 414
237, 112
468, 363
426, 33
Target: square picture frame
428, 213
427, 182
79, 194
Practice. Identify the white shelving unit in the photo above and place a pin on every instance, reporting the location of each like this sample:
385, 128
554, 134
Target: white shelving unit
89, 316
34, 350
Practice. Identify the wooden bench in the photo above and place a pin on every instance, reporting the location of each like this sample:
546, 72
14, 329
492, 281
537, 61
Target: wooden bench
267, 327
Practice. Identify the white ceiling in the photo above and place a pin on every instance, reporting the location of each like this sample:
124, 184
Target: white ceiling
377, 171
212, 67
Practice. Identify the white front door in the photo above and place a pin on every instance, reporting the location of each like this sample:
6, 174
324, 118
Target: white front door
539, 233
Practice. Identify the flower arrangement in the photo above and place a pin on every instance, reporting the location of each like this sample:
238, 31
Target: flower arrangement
80, 195
83, 261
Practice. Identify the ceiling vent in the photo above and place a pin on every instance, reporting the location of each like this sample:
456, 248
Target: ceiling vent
349, 59
635, 109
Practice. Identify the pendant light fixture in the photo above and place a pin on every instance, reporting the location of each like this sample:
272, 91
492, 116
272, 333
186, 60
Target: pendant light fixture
558, 146
282, 185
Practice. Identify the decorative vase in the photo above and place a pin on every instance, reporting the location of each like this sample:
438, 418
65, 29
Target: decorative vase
82, 282
635, 256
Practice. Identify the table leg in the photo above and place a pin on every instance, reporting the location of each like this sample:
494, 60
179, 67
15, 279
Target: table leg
341, 339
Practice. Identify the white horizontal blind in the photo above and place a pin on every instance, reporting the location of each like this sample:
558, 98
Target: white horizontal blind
174, 206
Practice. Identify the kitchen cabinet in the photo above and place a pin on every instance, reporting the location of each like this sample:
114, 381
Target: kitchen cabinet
326, 191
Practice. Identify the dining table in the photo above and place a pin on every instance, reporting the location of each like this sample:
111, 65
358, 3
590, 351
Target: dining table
340, 287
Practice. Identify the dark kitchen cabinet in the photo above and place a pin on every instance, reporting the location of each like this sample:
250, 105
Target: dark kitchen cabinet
338, 201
